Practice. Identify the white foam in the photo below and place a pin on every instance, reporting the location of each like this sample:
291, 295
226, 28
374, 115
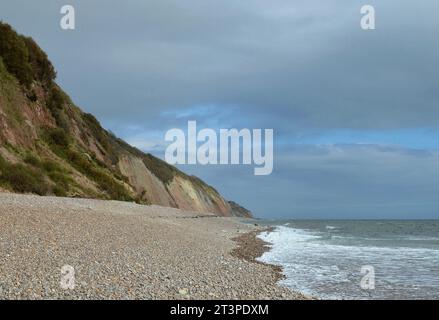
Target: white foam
317, 267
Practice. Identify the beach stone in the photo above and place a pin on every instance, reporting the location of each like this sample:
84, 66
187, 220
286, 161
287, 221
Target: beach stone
183, 292
121, 250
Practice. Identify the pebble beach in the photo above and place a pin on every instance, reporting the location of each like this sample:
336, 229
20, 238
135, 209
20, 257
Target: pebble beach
120, 250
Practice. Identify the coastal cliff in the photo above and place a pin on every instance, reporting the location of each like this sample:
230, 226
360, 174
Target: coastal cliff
49, 146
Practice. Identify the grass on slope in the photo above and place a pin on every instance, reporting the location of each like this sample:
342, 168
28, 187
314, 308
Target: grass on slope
8, 92
60, 143
22, 178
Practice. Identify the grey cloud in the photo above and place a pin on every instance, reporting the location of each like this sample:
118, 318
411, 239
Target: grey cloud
304, 66
306, 62
340, 181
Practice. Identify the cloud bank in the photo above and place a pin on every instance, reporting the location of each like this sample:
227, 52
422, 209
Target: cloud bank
355, 112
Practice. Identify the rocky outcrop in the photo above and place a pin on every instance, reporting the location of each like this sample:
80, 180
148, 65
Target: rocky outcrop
239, 211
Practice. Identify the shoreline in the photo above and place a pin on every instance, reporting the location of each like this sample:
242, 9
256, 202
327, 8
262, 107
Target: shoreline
250, 247
122, 250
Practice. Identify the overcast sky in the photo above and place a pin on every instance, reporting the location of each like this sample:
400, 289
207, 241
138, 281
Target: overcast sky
355, 113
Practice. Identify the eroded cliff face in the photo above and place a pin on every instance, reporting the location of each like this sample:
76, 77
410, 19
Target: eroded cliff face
181, 191
49, 146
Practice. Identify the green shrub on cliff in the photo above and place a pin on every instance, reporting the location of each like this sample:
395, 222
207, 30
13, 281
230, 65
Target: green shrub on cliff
59, 142
56, 102
23, 58
21, 178
56, 99
57, 137
3, 70
160, 168
54, 171
85, 165
104, 138
15, 54
42, 68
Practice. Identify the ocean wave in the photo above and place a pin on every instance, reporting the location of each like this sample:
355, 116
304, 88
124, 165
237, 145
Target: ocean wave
315, 266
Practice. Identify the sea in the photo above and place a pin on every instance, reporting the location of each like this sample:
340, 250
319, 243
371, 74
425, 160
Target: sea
356, 259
